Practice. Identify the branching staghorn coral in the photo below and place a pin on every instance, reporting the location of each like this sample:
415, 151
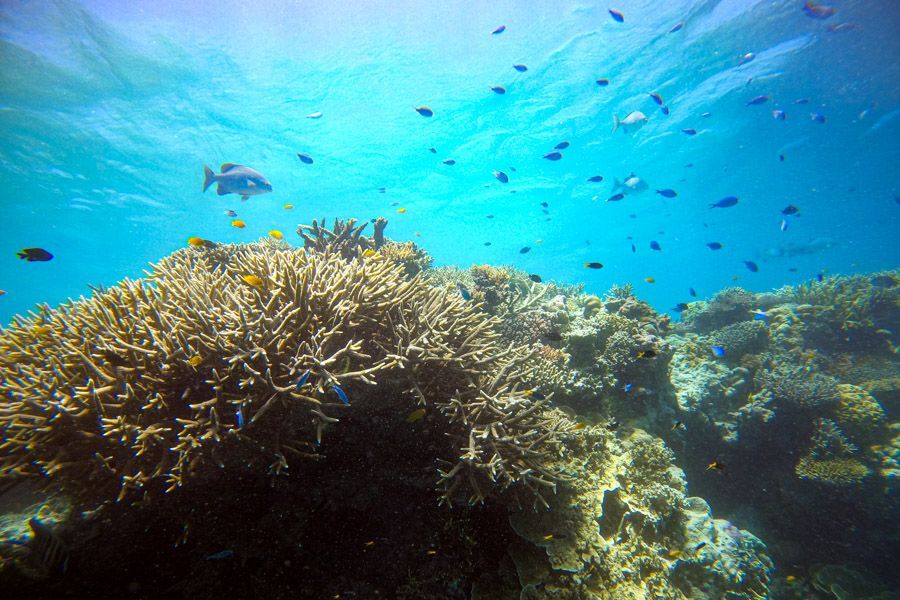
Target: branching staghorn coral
345, 238
830, 457
408, 254
798, 387
205, 363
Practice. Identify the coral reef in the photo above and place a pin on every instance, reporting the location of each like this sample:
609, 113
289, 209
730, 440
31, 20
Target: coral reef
345, 238
409, 255
149, 382
740, 338
792, 386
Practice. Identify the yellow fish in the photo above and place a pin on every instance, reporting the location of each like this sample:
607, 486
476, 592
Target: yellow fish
2, 292
276, 234
791, 578
674, 553
41, 330
195, 360
418, 234
238, 223
253, 280
369, 253
579, 426
401, 210
431, 552
196, 242
538, 241
288, 206
549, 536
415, 415
649, 280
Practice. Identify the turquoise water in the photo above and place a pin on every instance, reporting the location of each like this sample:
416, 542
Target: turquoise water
109, 111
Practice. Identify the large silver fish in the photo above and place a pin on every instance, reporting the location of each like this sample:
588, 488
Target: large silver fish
631, 123
236, 179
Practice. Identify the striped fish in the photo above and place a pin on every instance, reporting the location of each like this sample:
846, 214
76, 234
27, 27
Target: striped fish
47, 550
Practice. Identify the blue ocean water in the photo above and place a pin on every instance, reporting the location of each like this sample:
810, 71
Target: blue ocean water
109, 111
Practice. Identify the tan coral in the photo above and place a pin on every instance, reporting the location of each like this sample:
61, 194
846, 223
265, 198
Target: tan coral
858, 412
136, 389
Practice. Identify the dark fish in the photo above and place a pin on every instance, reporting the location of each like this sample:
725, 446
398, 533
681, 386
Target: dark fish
593, 265
535, 278
633, 248
561, 146
667, 193
646, 353
654, 245
883, 281
463, 291
781, 158
677, 27
657, 98
616, 15
596, 179
680, 307
535, 393
757, 100
612, 424
616, 197
46, 550
714, 246
818, 11
520, 68
553, 156
382, 190
544, 204
817, 117
677, 425
692, 292
689, 131
554, 336
726, 202
790, 209
221, 555
603, 82
499, 30
487, 243
305, 158
230, 213
449, 161
751, 266
801, 101
489, 217
35, 255
664, 109
498, 89
501, 176
433, 150
699, 546
525, 250
341, 394
820, 277
425, 111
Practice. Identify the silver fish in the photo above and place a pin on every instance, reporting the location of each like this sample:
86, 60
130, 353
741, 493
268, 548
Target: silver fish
632, 185
236, 179
631, 123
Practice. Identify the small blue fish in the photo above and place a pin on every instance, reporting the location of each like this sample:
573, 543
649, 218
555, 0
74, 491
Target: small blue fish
596, 179
303, 379
498, 89
779, 115
757, 100
525, 250
221, 555
616, 197
633, 248
230, 213
305, 158
801, 101
616, 15
667, 193
718, 351
790, 209
449, 161
628, 387
681, 307
820, 277
520, 68
689, 131
433, 150
603, 82
714, 246
501, 176
817, 117
561, 146
463, 291
424, 111
499, 30
760, 316
656, 98
677, 27
654, 245
664, 109
239, 414
692, 292
553, 156
751, 266
726, 202
341, 394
